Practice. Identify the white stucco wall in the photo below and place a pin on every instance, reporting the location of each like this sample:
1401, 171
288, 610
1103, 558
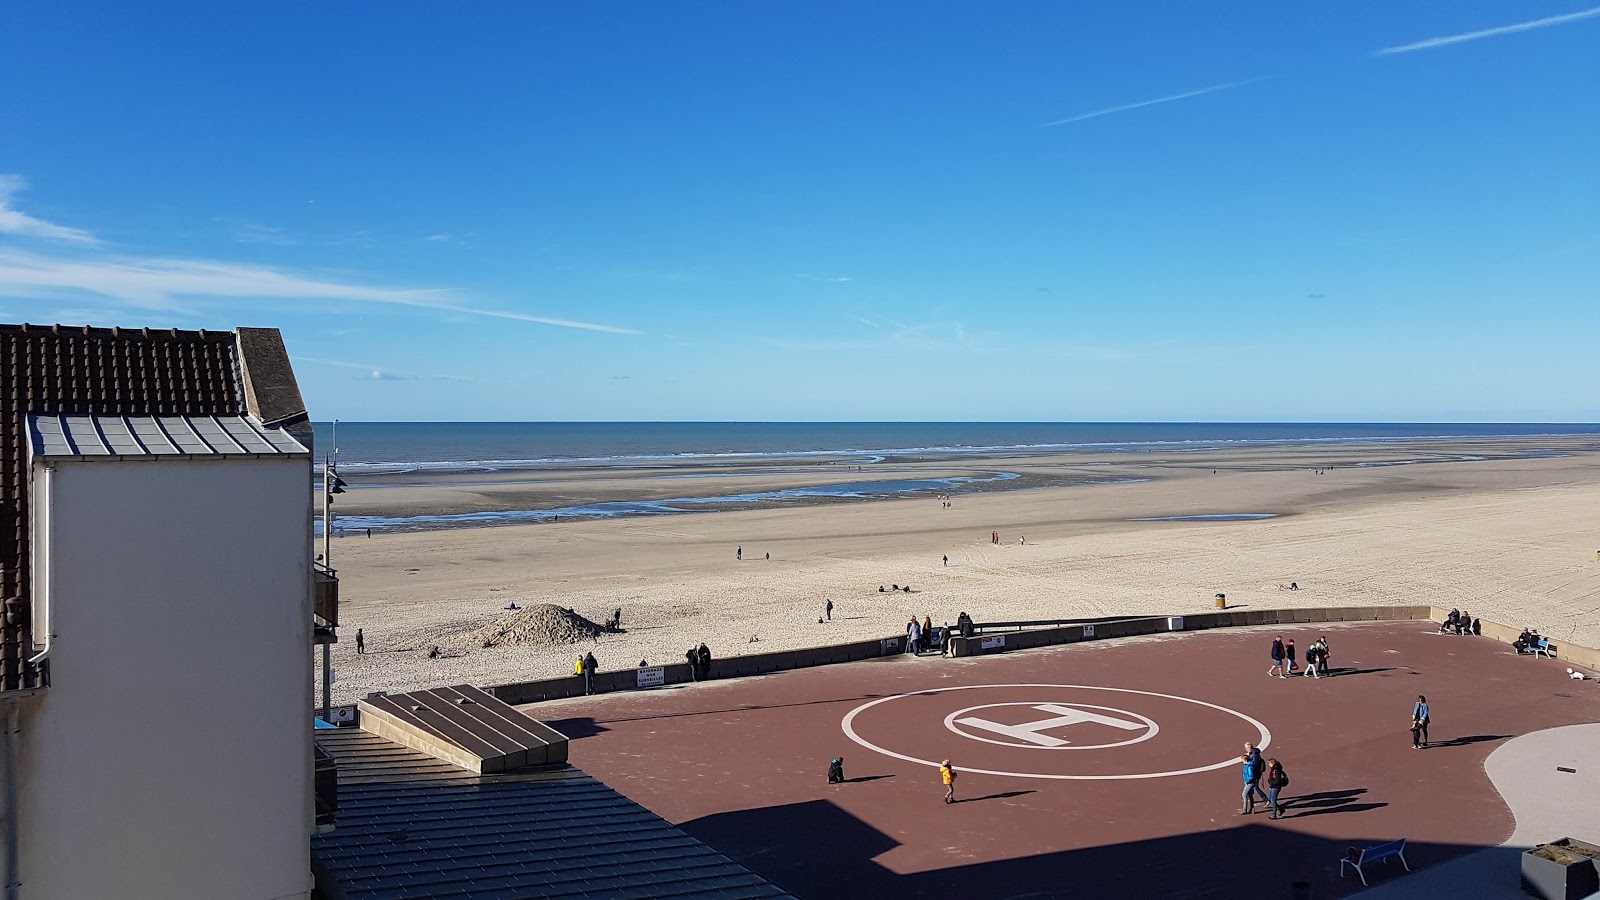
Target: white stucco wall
171, 755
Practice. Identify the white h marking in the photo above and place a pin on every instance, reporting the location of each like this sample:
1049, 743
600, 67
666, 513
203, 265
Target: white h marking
1061, 715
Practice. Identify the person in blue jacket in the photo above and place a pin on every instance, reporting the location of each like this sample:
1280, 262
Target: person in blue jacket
1419, 723
1252, 772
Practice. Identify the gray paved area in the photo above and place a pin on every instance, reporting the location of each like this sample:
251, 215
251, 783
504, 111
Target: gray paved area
1547, 803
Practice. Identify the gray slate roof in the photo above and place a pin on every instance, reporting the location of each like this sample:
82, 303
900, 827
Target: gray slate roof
122, 437
411, 826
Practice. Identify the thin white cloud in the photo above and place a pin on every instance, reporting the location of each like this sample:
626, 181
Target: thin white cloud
1449, 39
14, 221
160, 281
1143, 103
376, 373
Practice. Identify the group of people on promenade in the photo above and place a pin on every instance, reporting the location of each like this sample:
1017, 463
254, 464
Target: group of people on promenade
1284, 663
1460, 622
922, 637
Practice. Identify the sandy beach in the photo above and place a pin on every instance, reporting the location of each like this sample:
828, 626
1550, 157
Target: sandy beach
1505, 528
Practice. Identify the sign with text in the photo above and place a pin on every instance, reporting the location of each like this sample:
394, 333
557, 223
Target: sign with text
993, 642
891, 645
652, 676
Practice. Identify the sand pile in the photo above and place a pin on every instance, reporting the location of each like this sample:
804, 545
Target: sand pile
542, 624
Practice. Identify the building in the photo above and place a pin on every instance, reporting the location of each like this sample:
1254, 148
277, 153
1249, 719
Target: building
157, 582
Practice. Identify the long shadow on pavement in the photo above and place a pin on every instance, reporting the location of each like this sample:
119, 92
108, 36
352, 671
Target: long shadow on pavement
819, 851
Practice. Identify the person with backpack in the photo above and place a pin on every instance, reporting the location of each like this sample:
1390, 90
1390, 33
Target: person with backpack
1277, 659
1277, 780
1313, 660
836, 770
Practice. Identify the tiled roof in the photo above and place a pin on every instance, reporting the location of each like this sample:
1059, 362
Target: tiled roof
411, 826
103, 437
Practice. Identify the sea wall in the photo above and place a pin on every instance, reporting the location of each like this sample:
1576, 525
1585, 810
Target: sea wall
766, 663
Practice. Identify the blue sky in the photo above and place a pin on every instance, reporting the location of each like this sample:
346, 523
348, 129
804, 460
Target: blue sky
811, 210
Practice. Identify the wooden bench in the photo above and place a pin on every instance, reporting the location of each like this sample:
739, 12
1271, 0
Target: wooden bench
1380, 852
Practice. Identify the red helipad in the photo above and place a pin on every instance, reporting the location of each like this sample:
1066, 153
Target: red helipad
1098, 769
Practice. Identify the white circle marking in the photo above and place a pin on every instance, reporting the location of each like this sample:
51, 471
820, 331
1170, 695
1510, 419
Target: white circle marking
847, 724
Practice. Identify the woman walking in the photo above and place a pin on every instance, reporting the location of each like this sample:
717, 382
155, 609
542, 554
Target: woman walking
1419, 723
1277, 780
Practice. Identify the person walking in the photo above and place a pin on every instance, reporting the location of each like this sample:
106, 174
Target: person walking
361, 642
947, 774
913, 637
1323, 655
829, 610
1277, 670
1251, 771
1288, 656
1312, 659
1277, 780
738, 554
947, 559
1419, 723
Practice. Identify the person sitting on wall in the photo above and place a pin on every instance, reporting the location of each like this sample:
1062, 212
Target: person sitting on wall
836, 770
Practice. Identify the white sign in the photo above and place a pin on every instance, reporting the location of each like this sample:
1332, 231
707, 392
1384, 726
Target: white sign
652, 676
1174, 623
1059, 716
891, 645
1088, 631
994, 642
342, 715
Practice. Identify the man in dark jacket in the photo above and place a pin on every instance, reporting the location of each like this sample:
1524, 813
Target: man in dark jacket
703, 655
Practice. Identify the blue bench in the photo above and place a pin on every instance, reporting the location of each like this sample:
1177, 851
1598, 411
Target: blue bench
1543, 645
1379, 853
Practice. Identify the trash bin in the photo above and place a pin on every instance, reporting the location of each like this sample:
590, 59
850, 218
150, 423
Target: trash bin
1222, 601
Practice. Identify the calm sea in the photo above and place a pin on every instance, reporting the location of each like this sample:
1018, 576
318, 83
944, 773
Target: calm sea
467, 446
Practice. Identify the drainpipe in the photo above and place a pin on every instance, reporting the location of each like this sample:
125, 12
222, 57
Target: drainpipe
13, 878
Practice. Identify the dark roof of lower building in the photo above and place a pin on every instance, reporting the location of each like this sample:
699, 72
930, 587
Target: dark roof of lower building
412, 826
